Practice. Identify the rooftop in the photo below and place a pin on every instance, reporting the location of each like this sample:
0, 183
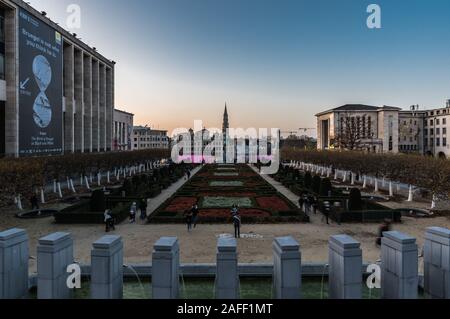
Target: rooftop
361, 107
67, 36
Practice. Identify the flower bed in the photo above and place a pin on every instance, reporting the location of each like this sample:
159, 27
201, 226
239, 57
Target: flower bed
218, 190
181, 204
225, 202
273, 203
226, 184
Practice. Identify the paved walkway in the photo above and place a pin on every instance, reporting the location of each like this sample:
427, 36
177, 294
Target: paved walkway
279, 187
154, 203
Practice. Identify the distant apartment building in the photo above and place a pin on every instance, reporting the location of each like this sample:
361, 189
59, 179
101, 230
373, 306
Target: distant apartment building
123, 130
146, 138
385, 129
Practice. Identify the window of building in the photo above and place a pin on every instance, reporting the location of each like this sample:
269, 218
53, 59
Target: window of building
444, 141
438, 141
444, 121
438, 131
437, 122
444, 131
431, 122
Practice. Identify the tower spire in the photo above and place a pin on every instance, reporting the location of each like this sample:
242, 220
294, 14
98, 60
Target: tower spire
226, 124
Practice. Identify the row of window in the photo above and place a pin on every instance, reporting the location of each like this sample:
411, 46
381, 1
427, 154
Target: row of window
144, 146
438, 131
438, 122
409, 148
438, 142
152, 139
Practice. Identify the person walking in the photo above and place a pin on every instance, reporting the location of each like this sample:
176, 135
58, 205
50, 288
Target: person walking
34, 202
326, 211
188, 218
109, 221
301, 202
133, 210
195, 213
143, 208
237, 225
315, 204
385, 227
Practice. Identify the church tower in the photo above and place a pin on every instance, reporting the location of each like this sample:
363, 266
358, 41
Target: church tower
226, 124
225, 127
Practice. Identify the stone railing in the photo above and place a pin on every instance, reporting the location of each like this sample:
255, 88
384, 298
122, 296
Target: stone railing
399, 267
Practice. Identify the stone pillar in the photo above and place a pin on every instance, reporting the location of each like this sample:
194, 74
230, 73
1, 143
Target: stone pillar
12, 80
102, 107
95, 106
79, 109
107, 268
437, 262
55, 253
13, 264
287, 269
69, 101
227, 275
399, 266
165, 268
87, 100
109, 109
345, 268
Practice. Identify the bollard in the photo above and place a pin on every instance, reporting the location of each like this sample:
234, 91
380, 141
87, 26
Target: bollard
13, 264
345, 268
107, 268
399, 266
166, 268
227, 275
437, 263
287, 269
54, 254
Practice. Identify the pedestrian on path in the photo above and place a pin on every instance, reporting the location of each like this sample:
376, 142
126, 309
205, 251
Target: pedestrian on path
143, 208
188, 218
133, 210
237, 225
326, 211
195, 213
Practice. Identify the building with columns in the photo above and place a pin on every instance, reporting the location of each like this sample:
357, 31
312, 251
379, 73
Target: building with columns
67, 105
123, 130
359, 126
386, 129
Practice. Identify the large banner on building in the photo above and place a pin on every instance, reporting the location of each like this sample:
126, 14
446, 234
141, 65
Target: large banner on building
41, 87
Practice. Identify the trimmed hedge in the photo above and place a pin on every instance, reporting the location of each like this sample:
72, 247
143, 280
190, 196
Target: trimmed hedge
80, 214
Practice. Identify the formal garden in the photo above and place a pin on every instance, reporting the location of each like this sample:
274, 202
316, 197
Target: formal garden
346, 205
216, 188
136, 189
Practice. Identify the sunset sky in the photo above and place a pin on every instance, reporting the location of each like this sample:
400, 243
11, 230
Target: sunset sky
275, 63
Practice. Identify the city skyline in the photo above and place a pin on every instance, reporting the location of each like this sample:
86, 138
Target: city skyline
275, 66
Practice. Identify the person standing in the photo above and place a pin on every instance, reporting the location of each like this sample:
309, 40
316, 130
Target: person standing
133, 209
188, 218
237, 225
143, 208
